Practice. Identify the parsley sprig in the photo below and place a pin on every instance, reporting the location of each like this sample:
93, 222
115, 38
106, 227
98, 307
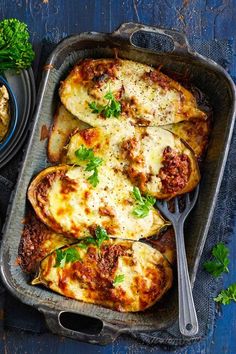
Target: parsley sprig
100, 236
220, 263
226, 296
111, 109
118, 279
144, 204
66, 256
94, 162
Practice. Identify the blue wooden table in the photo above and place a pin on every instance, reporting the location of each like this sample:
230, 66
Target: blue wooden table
54, 19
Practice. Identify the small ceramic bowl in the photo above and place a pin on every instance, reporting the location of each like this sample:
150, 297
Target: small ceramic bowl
13, 114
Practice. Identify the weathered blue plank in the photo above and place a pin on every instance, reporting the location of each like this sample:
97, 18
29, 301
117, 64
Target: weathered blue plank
54, 19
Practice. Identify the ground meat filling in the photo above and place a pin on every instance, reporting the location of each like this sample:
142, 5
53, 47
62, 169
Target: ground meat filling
175, 172
129, 107
89, 135
98, 72
98, 268
41, 194
45, 184
30, 252
155, 76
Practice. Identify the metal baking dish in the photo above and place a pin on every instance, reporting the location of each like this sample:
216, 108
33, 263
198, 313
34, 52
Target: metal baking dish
104, 325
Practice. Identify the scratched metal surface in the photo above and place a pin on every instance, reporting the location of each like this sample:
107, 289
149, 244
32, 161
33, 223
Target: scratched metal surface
54, 19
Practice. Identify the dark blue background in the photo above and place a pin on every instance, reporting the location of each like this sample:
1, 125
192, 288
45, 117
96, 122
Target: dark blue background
54, 19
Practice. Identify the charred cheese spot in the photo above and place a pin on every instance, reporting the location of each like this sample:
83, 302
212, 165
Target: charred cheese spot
90, 136
147, 275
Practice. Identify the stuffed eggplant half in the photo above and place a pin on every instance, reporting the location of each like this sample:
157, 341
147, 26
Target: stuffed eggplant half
64, 199
155, 160
134, 91
121, 275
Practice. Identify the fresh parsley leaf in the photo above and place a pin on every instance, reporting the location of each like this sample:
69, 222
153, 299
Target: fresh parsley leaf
144, 204
100, 236
137, 195
93, 179
109, 96
111, 109
118, 279
220, 263
84, 154
96, 108
150, 201
94, 162
66, 256
140, 211
226, 296
60, 259
82, 245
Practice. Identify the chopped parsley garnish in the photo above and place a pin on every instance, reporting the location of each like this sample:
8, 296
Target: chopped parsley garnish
66, 256
111, 109
100, 236
144, 204
220, 263
118, 279
82, 245
226, 296
94, 162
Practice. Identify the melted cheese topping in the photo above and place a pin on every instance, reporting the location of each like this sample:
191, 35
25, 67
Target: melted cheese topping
83, 206
145, 156
146, 275
152, 102
105, 143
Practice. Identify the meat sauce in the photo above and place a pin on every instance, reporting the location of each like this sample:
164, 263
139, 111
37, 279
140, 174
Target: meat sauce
156, 76
90, 136
96, 72
46, 183
129, 151
96, 271
175, 172
33, 237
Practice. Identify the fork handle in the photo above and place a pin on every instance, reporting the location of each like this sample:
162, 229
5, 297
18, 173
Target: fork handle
188, 322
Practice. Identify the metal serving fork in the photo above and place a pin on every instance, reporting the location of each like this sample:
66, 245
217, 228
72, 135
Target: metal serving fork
188, 322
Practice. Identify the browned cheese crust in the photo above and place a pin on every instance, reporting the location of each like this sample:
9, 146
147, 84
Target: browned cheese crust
146, 275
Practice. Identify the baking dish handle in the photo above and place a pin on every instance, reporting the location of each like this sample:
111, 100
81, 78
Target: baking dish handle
105, 332
127, 30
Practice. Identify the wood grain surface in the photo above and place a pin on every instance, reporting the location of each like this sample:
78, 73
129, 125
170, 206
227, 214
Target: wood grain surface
52, 20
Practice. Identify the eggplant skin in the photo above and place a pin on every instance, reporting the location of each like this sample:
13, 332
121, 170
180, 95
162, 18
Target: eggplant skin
65, 201
195, 133
124, 276
165, 243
